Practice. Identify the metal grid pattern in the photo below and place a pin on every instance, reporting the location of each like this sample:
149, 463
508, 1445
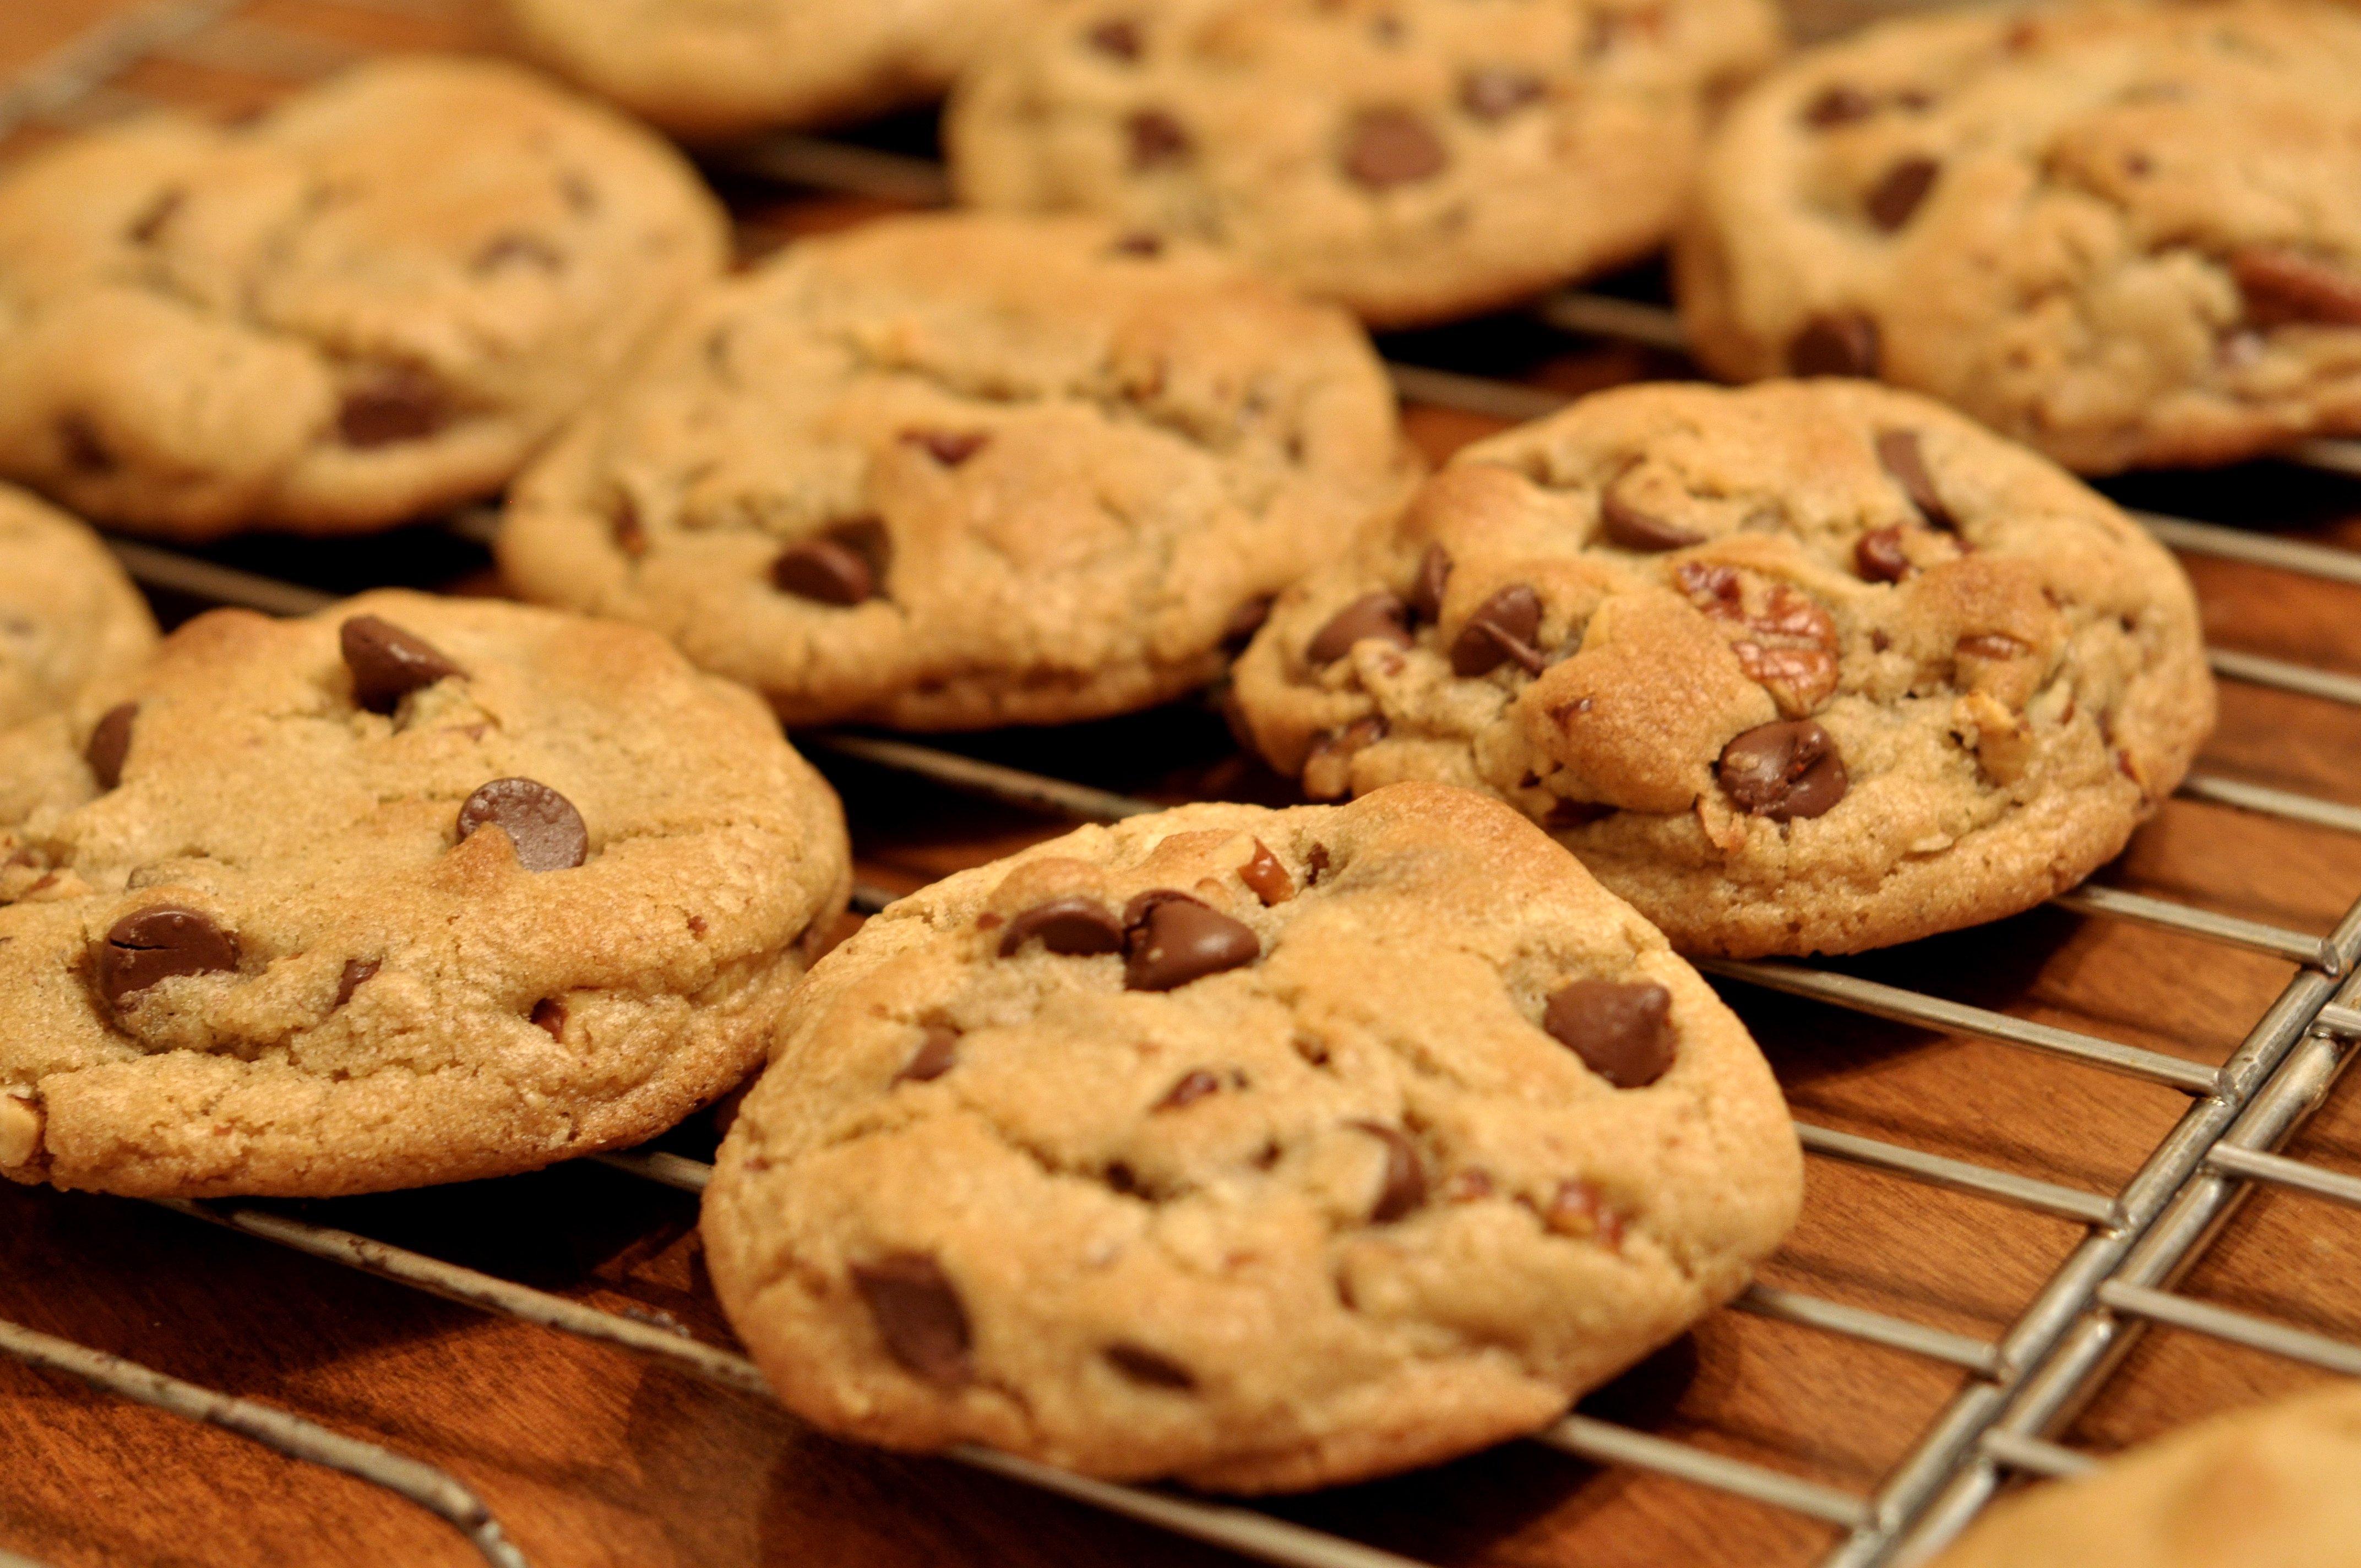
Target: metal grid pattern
2137, 1242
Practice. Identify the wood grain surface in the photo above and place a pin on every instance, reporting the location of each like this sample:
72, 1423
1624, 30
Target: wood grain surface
591, 1457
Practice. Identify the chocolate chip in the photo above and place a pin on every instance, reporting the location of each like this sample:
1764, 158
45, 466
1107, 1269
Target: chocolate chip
543, 824
1838, 105
1391, 147
1147, 1366
110, 744
1629, 527
1244, 622
1784, 769
1117, 36
918, 1315
1194, 1086
1433, 577
938, 1053
149, 226
1139, 243
396, 403
826, 571
1405, 1185
1991, 645
84, 449
357, 974
1269, 878
158, 942
1156, 139
2282, 286
1470, 1186
507, 249
1899, 453
1316, 864
950, 447
549, 1013
1577, 1210
1569, 813
1897, 196
1171, 939
388, 664
1502, 627
1842, 344
629, 535
1379, 615
1073, 926
1878, 556
1496, 92
1623, 1032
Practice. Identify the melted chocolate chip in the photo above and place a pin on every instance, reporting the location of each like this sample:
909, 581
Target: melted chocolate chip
396, 403
1878, 556
1156, 139
1379, 615
1074, 926
2282, 286
1194, 1086
1623, 1032
1496, 92
357, 972
1895, 197
826, 571
1405, 1183
158, 943
1838, 105
919, 1315
1269, 878
1842, 344
1627, 526
1116, 37
1139, 243
1898, 452
1784, 769
938, 1053
1244, 622
110, 744
1433, 577
1391, 147
518, 249
543, 824
1147, 1366
1503, 628
948, 447
549, 1015
388, 664
1171, 939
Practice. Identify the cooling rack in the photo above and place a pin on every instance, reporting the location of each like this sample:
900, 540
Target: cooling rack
2125, 1276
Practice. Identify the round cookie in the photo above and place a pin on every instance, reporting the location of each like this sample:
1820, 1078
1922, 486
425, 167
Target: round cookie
1813, 666
69, 620
415, 890
2124, 234
706, 69
2270, 1486
1263, 1149
961, 470
1412, 160
369, 304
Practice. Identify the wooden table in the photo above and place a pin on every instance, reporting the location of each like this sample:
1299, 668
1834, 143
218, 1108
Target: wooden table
590, 1456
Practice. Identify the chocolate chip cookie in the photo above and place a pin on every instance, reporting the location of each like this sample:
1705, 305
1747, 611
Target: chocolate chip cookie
415, 890
1414, 160
2270, 1486
707, 70
371, 302
961, 470
70, 622
1264, 1149
2124, 234
1810, 667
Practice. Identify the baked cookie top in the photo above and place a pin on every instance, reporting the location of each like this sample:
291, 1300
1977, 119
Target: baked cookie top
953, 471
370, 302
69, 620
1812, 666
1265, 1149
1413, 160
415, 890
2125, 234
711, 68
2270, 1486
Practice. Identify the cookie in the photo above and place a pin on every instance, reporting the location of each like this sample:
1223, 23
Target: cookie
960, 470
416, 890
1413, 160
709, 70
2270, 1486
2124, 234
1262, 1149
369, 304
71, 621
1813, 666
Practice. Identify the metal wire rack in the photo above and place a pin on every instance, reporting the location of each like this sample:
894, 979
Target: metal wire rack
2137, 1242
